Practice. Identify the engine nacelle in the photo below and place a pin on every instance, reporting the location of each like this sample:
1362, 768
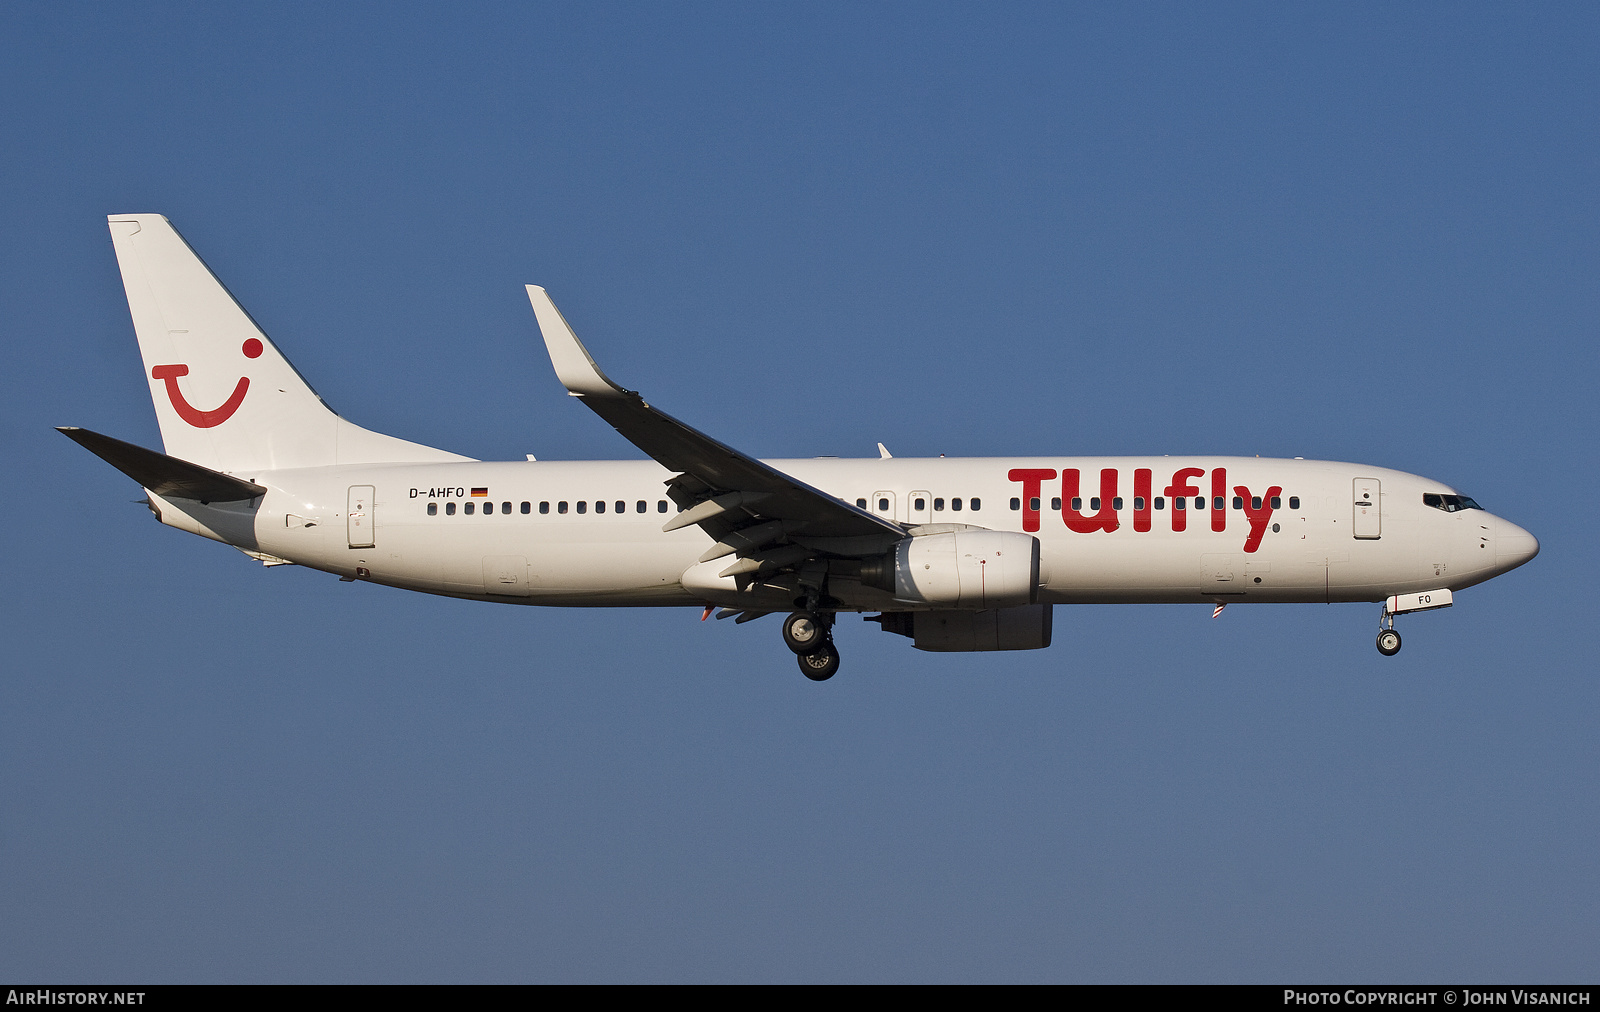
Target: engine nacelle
960, 569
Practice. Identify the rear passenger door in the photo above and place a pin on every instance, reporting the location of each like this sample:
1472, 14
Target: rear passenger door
359, 516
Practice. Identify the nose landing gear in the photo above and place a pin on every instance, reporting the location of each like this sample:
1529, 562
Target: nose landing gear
1388, 639
810, 635
1402, 604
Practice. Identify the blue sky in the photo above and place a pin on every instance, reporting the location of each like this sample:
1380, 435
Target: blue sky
1352, 232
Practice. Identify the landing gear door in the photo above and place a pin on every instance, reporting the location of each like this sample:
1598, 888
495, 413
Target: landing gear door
1368, 507
358, 517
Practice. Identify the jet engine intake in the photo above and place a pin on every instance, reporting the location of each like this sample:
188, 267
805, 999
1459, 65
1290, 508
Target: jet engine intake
959, 569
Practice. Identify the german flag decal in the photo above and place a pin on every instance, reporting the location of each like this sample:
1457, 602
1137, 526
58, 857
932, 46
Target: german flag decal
480, 493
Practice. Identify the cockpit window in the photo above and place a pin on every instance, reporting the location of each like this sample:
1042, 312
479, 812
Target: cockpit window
1449, 503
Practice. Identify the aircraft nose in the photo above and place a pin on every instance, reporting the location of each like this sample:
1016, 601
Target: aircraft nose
1513, 546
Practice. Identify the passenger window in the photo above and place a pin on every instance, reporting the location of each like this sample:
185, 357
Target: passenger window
955, 504
661, 506
505, 507
599, 505
449, 509
527, 507
1116, 503
1016, 504
1219, 503
1199, 502
1094, 504
1277, 502
1055, 503
544, 507
1294, 502
641, 507
433, 509
1178, 503
1161, 502
938, 505
1077, 504
883, 505
1238, 502
583, 506
1255, 502
468, 507
622, 507
861, 504
1033, 504
975, 504
919, 504
561, 507
1138, 503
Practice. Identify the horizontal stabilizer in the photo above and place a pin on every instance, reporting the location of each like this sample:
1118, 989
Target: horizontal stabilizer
166, 476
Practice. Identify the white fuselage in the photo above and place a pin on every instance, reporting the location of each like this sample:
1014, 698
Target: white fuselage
1320, 543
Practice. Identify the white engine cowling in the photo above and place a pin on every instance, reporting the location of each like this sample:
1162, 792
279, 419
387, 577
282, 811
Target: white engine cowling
960, 569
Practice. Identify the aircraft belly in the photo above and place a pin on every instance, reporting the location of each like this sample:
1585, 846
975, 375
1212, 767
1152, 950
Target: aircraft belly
582, 567
1170, 567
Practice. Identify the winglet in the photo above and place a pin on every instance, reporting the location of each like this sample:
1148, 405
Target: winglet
574, 366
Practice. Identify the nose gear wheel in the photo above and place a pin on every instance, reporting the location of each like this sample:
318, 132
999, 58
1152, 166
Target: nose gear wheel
1388, 639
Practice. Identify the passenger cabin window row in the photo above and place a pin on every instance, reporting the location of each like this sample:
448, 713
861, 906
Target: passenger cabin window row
620, 506
956, 505
1160, 503
1448, 503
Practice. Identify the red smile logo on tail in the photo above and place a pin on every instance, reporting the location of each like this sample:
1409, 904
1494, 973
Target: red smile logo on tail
193, 415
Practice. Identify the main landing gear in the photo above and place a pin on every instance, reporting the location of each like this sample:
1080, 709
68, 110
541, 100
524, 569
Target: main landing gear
810, 635
1388, 639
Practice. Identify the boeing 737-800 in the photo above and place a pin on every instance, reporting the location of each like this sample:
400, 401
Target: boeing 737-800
957, 554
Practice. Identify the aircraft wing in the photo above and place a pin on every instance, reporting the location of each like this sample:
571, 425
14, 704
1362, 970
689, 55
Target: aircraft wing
746, 505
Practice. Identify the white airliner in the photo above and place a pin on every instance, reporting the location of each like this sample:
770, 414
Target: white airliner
957, 554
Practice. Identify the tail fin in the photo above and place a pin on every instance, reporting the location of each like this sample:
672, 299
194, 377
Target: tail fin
225, 397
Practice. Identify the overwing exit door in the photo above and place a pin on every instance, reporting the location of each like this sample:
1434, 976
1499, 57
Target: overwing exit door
919, 507
883, 504
358, 516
